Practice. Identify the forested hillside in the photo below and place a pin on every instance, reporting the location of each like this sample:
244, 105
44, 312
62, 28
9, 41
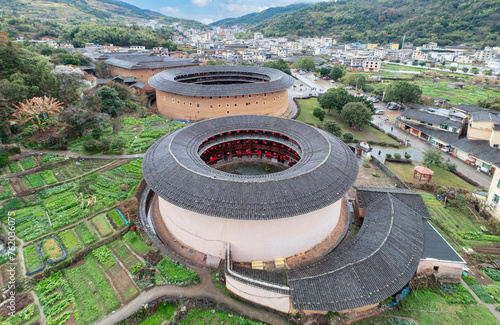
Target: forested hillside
383, 21
257, 17
86, 11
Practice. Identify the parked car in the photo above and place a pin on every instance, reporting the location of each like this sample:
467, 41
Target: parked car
348, 87
375, 100
379, 112
326, 78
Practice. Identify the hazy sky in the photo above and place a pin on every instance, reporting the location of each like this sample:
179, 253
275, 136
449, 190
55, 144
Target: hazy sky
208, 11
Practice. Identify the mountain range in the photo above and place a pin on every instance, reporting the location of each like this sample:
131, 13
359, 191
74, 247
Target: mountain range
86, 11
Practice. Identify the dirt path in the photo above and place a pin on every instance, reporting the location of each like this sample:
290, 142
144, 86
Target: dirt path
43, 319
491, 307
29, 153
205, 290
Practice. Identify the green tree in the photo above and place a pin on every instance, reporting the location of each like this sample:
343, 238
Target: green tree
220, 62
465, 69
306, 64
357, 80
337, 72
453, 69
335, 98
490, 103
402, 91
334, 128
319, 114
487, 72
280, 65
356, 114
110, 101
474, 70
210, 62
433, 158
68, 58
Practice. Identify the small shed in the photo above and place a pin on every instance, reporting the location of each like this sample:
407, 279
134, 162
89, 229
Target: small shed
422, 173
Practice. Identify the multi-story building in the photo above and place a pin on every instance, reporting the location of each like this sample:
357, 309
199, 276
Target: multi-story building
372, 65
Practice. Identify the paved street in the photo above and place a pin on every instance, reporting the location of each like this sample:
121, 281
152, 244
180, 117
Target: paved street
421, 145
417, 145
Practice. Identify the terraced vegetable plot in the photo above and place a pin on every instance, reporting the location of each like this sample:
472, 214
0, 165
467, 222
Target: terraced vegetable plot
64, 209
31, 222
135, 242
31, 258
28, 163
101, 224
69, 240
175, 273
48, 177
5, 191
86, 236
51, 249
201, 316
27, 316
126, 257
94, 295
15, 167
116, 219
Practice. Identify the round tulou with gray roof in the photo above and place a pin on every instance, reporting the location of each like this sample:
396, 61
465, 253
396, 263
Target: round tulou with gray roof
196, 93
204, 201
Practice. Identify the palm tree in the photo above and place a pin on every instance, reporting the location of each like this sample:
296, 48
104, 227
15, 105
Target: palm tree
37, 109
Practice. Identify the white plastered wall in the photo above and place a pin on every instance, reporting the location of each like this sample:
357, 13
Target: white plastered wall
251, 240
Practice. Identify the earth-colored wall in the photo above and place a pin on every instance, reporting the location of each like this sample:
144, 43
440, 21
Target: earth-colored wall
200, 108
251, 240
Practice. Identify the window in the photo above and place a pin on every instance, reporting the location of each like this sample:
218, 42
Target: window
197, 105
496, 145
249, 96
184, 103
263, 103
443, 126
256, 103
496, 198
454, 130
190, 104
436, 268
173, 100
227, 105
265, 95
210, 97
211, 106
235, 105
228, 112
178, 102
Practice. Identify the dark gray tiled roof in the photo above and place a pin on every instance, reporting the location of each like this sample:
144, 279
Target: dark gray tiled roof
435, 247
166, 81
277, 277
444, 136
138, 84
133, 62
480, 149
468, 108
374, 265
430, 118
485, 116
326, 170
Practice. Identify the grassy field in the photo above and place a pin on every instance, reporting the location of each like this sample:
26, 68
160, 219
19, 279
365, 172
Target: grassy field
367, 133
440, 176
31, 259
69, 241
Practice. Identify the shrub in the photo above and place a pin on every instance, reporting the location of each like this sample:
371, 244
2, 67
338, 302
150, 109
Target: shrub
91, 146
492, 273
355, 140
383, 144
376, 175
370, 141
366, 165
348, 136
4, 159
407, 156
388, 155
450, 166
397, 155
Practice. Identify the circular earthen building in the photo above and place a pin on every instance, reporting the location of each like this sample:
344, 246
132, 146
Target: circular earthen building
199, 93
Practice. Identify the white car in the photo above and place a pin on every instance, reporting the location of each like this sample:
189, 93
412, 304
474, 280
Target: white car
379, 112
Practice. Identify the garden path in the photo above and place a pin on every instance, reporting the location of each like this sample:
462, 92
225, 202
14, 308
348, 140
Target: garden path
204, 290
491, 307
43, 319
